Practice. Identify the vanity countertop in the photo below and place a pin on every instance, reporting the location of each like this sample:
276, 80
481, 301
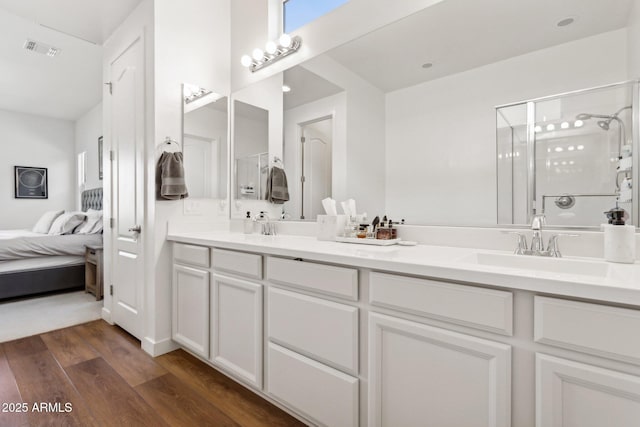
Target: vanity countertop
616, 283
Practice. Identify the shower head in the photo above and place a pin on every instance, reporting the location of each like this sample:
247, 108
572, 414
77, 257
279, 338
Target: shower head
587, 116
604, 124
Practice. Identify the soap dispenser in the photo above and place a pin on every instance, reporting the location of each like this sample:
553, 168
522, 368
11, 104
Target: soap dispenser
619, 238
248, 224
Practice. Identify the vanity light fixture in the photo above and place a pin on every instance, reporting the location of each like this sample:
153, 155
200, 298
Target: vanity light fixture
192, 93
273, 52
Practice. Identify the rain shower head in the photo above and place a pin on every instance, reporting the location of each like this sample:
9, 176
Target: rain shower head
587, 116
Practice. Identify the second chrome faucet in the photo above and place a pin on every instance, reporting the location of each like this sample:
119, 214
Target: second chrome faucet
537, 247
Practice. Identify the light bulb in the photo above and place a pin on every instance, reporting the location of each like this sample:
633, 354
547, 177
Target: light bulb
564, 125
580, 147
271, 47
246, 61
551, 127
258, 54
559, 149
286, 88
285, 40
538, 128
578, 123
571, 148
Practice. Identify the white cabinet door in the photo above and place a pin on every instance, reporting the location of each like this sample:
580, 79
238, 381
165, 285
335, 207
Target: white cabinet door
190, 320
420, 375
236, 327
572, 394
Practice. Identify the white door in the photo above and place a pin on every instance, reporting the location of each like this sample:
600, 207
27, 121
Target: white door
127, 142
572, 394
315, 151
420, 375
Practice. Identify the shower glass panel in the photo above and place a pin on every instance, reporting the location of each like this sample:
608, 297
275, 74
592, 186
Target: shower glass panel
251, 176
568, 156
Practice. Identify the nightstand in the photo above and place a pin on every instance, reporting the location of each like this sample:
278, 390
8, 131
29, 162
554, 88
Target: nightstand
93, 271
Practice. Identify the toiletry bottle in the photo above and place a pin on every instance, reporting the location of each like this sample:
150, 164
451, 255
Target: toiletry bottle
619, 239
248, 224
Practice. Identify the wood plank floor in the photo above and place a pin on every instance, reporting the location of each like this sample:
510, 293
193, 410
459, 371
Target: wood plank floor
96, 374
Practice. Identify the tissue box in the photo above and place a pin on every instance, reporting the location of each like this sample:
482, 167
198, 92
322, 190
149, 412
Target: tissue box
330, 226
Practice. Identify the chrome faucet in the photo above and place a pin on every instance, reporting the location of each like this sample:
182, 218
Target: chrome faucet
537, 243
267, 228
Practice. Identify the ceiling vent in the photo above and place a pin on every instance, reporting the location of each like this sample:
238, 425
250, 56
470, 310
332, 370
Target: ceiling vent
42, 48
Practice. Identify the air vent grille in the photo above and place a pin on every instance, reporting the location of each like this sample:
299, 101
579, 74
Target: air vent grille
41, 48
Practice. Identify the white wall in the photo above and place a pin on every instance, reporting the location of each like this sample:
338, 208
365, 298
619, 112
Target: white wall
88, 129
191, 45
440, 135
29, 140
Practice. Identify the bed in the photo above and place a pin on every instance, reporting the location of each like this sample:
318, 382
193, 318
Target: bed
33, 263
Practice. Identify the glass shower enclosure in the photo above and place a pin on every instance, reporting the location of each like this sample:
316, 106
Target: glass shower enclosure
570, 157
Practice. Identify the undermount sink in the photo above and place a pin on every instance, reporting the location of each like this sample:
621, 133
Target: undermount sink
593, 268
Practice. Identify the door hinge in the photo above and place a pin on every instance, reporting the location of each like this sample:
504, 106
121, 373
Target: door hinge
110, 289
303, 139
302, 179
112, 222
112, 155
110, 87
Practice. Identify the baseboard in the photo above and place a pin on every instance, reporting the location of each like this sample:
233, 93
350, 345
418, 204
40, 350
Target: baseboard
106, 315
157, 348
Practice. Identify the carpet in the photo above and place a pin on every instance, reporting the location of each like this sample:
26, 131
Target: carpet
31, 316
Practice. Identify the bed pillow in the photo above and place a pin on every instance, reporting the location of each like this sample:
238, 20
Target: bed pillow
46, 220
98, 228
92, 218
66, 222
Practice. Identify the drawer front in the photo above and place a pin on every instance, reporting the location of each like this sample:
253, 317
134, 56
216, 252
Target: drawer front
336, 281
605, 331
323, 330
322, 394
91, 255
191, 254
479, 308
249, 265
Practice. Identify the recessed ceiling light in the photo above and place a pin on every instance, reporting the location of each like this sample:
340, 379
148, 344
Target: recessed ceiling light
286, 88
427, 65
566, 21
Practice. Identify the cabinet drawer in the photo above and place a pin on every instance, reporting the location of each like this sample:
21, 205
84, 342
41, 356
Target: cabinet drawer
323, 330
471, 306
322, 394
336, 281
249, 265
91, 255
602, 330
190, 254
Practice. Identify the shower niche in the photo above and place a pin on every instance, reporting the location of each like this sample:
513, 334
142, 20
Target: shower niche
570, 156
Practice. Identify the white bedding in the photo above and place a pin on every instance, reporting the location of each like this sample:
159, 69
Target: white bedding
20, 244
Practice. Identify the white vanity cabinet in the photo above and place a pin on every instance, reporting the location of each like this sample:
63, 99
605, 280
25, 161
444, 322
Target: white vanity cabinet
236, 314
570, 393
190, 299
312, 349
425, 375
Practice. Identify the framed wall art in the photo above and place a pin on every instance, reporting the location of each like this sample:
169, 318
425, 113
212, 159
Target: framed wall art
31, 182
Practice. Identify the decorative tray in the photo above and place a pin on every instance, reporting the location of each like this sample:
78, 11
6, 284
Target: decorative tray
374, 242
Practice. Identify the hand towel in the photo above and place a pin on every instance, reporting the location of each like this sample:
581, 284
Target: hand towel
277, 189
170, 184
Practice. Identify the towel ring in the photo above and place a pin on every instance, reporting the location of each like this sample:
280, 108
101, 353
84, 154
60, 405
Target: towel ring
168, 141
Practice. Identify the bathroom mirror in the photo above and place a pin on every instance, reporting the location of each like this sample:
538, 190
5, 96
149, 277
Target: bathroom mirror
415, 101
204, 142
257, 141
569, 157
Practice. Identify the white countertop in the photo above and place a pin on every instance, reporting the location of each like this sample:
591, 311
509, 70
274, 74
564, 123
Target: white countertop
620, 284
